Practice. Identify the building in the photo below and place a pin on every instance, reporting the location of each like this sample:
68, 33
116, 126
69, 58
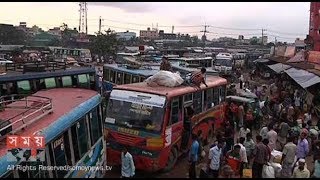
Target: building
314, 24
149, 34
56, 31
163, 35
126, 36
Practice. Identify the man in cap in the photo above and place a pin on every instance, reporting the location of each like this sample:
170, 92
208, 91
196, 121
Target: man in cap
301, 171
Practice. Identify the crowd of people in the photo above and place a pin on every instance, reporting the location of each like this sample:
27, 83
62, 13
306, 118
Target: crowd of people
290, 128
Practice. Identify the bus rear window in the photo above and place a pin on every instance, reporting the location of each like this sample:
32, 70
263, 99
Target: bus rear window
23, 86
66, 81
50, 82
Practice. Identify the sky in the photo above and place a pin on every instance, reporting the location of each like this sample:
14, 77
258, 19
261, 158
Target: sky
285, 20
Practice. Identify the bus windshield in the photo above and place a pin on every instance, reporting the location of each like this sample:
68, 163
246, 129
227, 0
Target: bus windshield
135, 115
223, 62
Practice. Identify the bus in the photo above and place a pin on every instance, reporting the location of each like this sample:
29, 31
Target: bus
116, 74
152, 121
223, 63
194, 61
69, 119
15, 82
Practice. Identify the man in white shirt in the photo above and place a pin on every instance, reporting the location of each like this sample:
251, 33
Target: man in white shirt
244, 131
127, 164
272, 136
243, 154
215, 155
264, 132
301, 171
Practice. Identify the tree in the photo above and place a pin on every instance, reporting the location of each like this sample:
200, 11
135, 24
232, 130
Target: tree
270, 44
12, 35
105, 44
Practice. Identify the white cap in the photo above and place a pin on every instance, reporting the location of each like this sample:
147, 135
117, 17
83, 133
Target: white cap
302, 160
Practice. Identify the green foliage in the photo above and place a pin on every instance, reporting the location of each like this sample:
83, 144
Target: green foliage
105, 43
11, 35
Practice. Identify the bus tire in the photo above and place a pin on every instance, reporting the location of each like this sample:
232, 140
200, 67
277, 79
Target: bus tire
172, 159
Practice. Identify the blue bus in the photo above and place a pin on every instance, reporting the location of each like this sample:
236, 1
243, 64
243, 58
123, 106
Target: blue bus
117, 74
70, 120
15, 82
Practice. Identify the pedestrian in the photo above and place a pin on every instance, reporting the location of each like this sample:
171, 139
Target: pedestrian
266, 143
198, 77
215, 155
249, 144
272, 136
316, 173
302, 147
243, 155
288, 158
226, 172
244, 131
283, 132
260, 154
165, 64
233, 159
193, 156
241, 114
241, 81
301, 171
127, 164
229, 135
264, 132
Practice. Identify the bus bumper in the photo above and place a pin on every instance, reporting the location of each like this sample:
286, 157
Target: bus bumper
141, 162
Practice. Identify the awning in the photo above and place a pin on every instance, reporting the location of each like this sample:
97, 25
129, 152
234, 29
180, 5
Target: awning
279, 67
299, 57
303, 78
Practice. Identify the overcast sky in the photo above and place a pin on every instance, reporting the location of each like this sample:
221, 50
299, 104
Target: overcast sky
287, 20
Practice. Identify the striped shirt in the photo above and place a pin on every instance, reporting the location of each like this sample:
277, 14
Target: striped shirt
197, 78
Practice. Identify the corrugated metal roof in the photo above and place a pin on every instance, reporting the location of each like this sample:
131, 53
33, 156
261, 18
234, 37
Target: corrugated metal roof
10, 47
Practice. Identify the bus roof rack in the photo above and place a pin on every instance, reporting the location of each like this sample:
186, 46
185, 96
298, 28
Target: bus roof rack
22, 111
36, 66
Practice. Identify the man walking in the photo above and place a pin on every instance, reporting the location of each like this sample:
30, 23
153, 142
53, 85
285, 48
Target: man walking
243, 155
289, 152
215, 155
127, 165
260, 154
193, 156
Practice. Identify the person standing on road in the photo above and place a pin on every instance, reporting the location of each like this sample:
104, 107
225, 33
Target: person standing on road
249, 145
288, 156
260, 154
284, 131
215, 155
233, 159
301, 171
264, 132
244, 131
127, 164
241, 115
243, 155
302, 147
193, 156
272, 137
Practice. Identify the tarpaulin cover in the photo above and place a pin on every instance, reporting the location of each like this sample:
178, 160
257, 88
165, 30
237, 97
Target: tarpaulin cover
303, 78
299, 57
279, 67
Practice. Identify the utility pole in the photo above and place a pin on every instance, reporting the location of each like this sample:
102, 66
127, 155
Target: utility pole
204, 37
172, 29
99, 25
275, 41
262, 36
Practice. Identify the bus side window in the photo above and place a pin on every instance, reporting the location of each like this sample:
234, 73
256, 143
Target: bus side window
127, 78
222, 93
216, 96
50, 83
24, 87
142, 79
59, 155
197, 102
82, 133
83, 80
135, 79
74, 80
112, 76
106, 74
66, 81
208, 99
119, 78
75, 143
59, 82
95, 131
176, 111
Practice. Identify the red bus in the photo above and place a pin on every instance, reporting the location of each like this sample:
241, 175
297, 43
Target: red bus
152, 121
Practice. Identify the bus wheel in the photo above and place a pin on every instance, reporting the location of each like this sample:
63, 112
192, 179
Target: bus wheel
172, 159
